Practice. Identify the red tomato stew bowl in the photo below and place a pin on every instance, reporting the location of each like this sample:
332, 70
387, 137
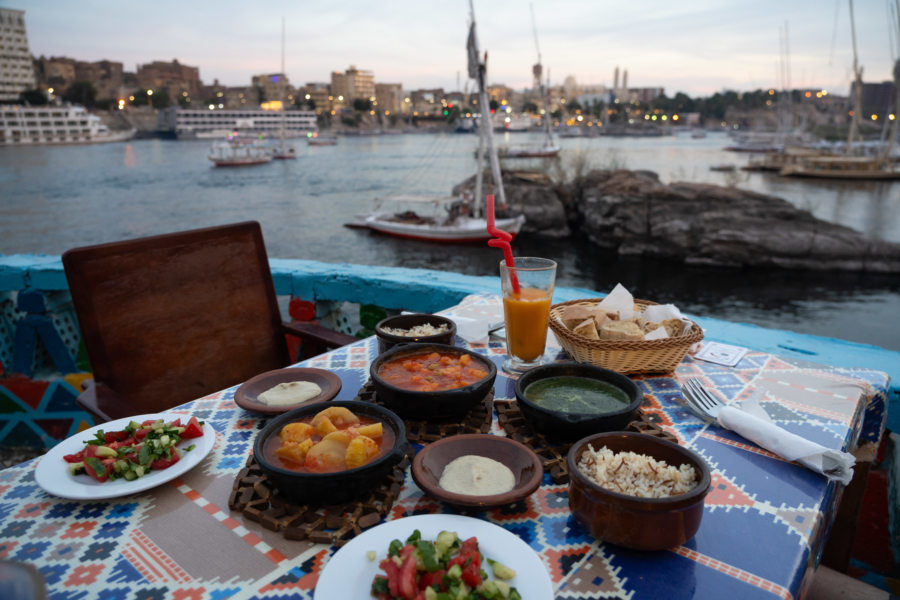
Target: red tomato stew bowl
632, 521
461, 365
305, 486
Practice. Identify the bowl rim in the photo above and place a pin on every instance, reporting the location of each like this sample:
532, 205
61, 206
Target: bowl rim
414, 348
519, 492
451, 331
572, 417
398, 449
690, 497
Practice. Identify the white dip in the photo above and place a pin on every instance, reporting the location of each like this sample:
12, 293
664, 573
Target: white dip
474, 475
291, 392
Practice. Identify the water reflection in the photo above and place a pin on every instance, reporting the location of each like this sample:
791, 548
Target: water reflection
55, 198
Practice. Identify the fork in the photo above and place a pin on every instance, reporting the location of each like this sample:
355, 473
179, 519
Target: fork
701, 400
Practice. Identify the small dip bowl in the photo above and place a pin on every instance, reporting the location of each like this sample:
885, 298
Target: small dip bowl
570, 426
445, 405
429, 463
632, 521
336, 487
386, 340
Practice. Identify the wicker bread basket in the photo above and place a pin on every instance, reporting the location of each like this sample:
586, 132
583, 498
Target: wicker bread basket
623, 356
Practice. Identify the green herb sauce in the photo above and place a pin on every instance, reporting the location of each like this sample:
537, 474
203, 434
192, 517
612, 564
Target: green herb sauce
579, 395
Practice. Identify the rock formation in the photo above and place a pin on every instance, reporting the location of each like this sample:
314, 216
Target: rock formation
702, 224
633, 213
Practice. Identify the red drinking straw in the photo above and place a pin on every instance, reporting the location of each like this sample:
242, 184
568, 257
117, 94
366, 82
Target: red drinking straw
501, 240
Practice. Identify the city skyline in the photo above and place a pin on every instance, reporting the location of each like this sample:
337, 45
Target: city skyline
709, 46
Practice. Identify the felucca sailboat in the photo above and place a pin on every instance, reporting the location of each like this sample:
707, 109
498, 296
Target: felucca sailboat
458, 219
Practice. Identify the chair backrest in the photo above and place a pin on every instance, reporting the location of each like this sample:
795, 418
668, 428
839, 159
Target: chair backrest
171, 318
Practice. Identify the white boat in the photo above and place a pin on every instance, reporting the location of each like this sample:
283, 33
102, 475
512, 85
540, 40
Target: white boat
451, 220
432, 219
315, 139
217, 123
239, 152
72, 124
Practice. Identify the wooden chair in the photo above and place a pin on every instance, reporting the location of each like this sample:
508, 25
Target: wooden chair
170, 318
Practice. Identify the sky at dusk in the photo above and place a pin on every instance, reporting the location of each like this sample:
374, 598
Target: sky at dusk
695, 46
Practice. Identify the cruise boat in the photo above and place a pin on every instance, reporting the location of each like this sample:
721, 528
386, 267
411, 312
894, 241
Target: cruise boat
72, 124
218, 123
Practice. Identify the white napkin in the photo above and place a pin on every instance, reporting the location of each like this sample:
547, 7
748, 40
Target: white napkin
834, 464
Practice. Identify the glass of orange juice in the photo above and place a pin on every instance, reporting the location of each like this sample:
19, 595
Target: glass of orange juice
527, 293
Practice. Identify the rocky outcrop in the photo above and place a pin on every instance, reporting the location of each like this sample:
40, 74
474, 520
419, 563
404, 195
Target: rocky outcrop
634, 213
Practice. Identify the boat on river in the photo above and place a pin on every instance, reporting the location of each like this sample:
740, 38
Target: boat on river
316, 139
452, 219
71, 124
446, 220
239, 152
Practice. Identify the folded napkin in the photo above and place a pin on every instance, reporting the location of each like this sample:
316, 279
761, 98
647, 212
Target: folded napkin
834, 464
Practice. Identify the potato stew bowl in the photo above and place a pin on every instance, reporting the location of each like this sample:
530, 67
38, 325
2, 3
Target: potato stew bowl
570, 426
439, 405
429, 463
631, 521
386, 340
334, 487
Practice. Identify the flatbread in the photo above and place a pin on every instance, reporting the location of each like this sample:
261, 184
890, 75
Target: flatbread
289, 392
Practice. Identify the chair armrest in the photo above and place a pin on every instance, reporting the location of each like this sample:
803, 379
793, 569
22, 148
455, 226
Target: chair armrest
315, 338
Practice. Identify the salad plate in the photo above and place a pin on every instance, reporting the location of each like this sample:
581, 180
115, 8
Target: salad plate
52, 472
349, 573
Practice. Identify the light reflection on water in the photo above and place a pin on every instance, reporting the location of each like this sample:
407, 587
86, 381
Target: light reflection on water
54, 198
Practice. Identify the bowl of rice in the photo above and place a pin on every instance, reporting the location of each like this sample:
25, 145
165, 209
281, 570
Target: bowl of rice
414, 328
636, 490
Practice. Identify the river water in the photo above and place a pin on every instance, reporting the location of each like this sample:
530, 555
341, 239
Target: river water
55, 198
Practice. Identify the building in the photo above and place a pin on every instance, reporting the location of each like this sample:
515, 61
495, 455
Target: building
315, 96
389, 97
106, 76
271, 87
16, 67
173, 77
351, 85
56, 73
878, 99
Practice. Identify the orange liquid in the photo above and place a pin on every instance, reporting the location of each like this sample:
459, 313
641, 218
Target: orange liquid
527, 316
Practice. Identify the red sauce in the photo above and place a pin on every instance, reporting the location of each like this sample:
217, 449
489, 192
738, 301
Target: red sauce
432, 371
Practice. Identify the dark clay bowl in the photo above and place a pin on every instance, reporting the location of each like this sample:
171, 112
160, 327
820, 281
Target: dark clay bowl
444, 405
630, 521
563, 426
429, 464
331, 488
386, 341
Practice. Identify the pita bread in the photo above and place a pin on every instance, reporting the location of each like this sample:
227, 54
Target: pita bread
587, 329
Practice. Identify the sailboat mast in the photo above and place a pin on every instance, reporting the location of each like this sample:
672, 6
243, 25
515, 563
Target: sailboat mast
538, 69
281, 87
857, 75
485, 107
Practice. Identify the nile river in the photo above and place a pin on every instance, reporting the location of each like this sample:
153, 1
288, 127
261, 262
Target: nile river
55, 198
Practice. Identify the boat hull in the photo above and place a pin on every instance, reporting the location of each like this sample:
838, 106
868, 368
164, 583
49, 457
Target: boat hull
465, 230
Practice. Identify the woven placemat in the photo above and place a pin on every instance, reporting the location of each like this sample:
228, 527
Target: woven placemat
256, 498
553, 454
477, 420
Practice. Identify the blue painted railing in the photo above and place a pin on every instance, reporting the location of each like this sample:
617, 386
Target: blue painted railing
429, 291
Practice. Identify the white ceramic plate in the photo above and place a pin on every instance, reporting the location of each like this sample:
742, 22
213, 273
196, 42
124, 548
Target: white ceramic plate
52, 472
349, 573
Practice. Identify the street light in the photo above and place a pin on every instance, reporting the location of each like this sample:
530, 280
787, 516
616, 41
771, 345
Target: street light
150, 99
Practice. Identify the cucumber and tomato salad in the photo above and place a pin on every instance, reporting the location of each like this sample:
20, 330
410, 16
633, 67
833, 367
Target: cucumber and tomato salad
444, 569
134, 451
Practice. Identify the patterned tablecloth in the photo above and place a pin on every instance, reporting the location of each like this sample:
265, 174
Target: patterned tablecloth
761, 535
